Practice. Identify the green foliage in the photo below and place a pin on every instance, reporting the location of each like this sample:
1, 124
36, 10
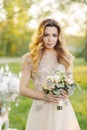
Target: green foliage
14, 40
15, 67
79, 98
15, 35
76, 45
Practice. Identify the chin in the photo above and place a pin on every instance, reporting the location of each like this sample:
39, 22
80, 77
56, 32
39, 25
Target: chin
50, 47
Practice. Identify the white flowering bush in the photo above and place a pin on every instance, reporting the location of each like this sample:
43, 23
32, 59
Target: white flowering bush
9, 86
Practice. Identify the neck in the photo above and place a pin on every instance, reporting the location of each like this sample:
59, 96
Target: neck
50, 50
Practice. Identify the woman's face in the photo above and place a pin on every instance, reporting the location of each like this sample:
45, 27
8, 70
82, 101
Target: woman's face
50, 37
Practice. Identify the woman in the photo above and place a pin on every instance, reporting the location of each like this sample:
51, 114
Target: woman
48, 53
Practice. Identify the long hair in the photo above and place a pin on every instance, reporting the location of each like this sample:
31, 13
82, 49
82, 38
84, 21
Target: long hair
37, 47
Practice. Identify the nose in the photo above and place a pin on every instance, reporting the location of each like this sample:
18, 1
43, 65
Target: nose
50, 38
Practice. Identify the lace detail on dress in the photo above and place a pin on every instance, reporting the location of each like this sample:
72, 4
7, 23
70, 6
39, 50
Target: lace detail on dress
45, 70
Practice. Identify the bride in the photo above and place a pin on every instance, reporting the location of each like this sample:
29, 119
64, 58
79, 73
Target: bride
48, 53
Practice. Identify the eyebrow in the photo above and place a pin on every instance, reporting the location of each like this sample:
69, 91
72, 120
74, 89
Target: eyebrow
52, 33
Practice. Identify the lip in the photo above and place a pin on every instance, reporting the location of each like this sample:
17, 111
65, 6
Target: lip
49, 44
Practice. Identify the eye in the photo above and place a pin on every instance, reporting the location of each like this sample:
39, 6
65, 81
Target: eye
55, 35
45, 35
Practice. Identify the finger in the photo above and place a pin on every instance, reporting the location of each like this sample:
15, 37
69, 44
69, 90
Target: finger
64, 91
54, 100
56, 96
64, 95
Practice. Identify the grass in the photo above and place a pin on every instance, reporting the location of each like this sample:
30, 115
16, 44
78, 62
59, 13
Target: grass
79, 98
18, 115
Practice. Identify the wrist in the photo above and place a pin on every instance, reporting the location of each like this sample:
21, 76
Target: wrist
41, 95
44, 97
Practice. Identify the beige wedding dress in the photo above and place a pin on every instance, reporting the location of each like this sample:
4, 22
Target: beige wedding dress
44, 115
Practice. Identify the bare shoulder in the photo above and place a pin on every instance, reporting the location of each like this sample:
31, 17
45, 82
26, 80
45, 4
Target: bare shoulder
71, 58
26, 63
26, 57
70, 68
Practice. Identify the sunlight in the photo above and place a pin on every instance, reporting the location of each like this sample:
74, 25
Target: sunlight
74, 30
45, 2
73, 21
33, 24
34, 11
59, 16
2, 11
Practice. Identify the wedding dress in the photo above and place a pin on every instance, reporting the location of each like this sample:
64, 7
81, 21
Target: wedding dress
44, 115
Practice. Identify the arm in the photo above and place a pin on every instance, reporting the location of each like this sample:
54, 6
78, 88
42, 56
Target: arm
24, 81
28, 92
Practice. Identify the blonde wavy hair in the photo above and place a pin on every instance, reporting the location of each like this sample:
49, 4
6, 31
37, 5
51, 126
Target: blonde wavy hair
37, 47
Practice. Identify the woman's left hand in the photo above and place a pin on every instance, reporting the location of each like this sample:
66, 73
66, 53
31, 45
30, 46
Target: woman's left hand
69, 80
63, 94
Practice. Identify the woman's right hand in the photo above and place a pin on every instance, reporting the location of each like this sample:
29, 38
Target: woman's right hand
52, 98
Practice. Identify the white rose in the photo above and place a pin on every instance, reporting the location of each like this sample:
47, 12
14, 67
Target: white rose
56, 78
50, 78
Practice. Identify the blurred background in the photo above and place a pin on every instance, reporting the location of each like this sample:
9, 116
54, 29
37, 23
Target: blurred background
18, 22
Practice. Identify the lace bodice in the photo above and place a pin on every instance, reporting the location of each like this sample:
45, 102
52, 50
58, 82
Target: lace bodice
45, 70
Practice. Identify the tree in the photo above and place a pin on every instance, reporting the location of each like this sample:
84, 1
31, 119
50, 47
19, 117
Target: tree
15, 31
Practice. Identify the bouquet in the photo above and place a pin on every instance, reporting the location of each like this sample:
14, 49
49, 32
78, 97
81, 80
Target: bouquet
56, 83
